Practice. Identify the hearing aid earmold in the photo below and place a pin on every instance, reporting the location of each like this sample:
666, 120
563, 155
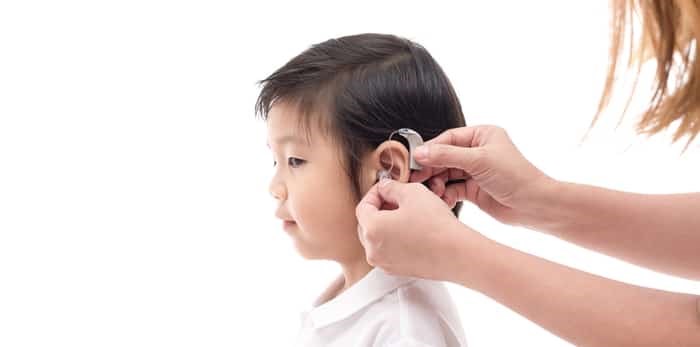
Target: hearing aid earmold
384, 175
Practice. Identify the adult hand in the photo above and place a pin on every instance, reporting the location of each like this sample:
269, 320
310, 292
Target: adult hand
419, 237
490, 172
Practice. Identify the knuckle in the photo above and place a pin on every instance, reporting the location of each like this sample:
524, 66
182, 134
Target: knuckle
451, 136
500, 130
480, 153
480, 160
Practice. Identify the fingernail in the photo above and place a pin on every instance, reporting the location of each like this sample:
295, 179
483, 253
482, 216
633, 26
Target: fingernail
421, 152
384, 182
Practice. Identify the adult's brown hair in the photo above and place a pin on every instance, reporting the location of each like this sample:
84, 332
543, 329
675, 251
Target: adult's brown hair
666, 31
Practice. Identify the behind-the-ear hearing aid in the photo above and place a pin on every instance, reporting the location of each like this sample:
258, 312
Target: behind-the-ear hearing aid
414, 140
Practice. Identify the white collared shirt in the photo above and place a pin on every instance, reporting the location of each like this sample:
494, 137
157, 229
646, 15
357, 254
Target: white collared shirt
384, 311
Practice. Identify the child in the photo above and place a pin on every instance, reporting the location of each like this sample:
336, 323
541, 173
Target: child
329, 112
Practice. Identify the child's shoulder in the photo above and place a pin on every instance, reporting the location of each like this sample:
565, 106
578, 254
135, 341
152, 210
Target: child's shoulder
419, 313
387, 311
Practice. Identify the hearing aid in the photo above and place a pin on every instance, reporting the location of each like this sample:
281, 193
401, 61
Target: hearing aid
414, 140
383, 175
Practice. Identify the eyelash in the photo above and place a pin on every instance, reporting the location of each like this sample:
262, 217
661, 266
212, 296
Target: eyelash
299, 162
292, 162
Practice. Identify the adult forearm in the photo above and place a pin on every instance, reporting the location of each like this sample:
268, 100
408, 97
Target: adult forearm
584, 309
661, 232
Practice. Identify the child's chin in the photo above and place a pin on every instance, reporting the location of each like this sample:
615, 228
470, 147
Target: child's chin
307, 253
310, 255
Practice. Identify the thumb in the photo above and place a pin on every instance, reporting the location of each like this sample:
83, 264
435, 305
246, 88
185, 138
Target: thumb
392, 191
369, 205
447, 156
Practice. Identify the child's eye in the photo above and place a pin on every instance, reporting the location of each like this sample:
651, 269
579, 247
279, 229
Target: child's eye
295, 162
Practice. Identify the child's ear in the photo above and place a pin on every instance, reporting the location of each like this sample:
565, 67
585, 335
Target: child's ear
396, 152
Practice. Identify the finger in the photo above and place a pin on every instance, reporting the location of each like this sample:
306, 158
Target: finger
425, 173
428, 173
361, 236
458, 137
451, 203
391, 191
447, 201
462, 137
454, 157
437, 183
468, 190
457, 174
388, 206
369, 205
456, 192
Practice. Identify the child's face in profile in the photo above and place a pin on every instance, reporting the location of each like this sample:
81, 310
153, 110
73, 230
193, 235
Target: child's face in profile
314, 195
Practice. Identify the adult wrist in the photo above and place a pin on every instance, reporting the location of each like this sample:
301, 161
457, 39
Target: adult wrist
546, 210
465, 252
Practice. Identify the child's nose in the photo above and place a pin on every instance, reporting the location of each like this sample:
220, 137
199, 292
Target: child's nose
277, 190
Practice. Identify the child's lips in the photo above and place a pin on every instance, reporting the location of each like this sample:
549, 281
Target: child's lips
288, 224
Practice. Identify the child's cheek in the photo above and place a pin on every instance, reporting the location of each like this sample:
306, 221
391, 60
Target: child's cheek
316, 209
307, 207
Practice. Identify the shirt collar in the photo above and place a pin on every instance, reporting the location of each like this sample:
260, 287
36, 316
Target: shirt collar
367, 290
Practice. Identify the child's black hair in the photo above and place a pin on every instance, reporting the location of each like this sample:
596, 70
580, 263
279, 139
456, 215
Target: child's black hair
363, 87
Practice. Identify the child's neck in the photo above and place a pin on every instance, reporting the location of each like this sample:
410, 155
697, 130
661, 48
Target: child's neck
353, 272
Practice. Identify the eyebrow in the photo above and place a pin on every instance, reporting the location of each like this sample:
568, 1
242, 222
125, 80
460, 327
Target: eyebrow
289, 139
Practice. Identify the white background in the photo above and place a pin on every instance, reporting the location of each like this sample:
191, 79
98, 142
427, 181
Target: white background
133, 174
